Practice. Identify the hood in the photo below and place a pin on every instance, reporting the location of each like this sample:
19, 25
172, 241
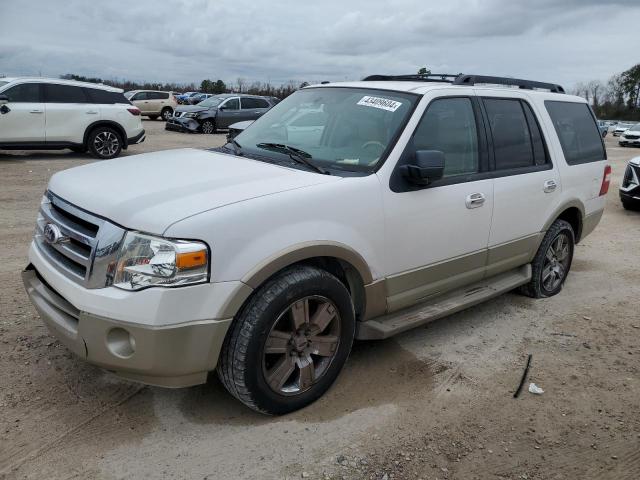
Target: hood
191, 108
149, 192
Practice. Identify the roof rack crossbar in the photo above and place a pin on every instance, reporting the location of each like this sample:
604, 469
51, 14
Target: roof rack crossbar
430, 77
462, 79
516, 82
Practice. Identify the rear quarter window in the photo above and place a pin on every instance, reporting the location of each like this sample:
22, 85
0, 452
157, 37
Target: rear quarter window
577, 130
106, 97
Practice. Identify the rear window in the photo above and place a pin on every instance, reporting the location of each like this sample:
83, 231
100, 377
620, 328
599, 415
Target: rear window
577, 130
157, 95
248, 103
105, 97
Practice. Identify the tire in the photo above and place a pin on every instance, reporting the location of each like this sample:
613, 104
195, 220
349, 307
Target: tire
631, 206
208, 127
549, 272
292, 375
166, 113
153, 117
104, 143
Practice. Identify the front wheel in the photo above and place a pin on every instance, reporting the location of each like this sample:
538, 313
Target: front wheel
208, 127
104, 143
289, 343
552, 262
166, 113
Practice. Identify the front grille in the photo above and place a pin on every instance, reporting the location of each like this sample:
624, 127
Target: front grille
79, 244
632, 137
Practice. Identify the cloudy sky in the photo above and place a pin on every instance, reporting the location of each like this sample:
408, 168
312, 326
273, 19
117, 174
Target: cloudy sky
563, 41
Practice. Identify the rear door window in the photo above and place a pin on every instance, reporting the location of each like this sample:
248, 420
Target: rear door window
55, 93
577, 130
512, 143
24, 93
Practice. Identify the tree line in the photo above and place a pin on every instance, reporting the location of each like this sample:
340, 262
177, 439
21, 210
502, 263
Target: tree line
241, 85
618, 98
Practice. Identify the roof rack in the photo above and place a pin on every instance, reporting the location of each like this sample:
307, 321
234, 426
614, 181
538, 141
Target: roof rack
462, 79
516, 82
419, 77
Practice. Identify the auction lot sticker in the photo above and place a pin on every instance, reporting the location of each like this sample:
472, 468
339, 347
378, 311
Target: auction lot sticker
377, 102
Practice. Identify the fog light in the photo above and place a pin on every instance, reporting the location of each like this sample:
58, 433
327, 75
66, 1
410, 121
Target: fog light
120, 342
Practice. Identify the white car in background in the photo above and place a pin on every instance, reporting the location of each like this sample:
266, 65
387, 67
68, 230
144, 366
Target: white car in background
620, 128
631, 136
53, 114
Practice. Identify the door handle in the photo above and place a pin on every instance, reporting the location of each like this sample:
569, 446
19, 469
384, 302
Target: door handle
475, 200
36, 111
91, 112
550, 186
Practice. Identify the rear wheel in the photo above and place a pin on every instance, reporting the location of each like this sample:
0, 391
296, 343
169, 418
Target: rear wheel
208, 127
105, 143
289, 343
552, 262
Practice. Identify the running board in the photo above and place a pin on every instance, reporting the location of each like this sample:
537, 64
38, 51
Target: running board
408, 318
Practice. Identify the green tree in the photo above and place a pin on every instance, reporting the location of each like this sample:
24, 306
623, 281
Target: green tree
630, 83
219, 87
424, 71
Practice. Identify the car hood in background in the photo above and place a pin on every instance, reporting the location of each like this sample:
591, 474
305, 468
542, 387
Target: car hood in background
149, 192
191, 108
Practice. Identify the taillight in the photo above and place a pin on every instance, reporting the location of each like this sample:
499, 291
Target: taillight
606, 180
134, 111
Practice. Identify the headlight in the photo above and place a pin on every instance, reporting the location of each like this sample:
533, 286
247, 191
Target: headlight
147, 261
190, 115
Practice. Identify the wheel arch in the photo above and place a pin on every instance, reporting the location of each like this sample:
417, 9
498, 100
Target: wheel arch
338, 259
105, 123
572, 212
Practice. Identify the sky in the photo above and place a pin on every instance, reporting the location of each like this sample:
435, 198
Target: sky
560, 41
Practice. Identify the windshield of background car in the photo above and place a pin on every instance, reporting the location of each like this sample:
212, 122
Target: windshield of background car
128, 95
343, 128
211, 102
3, 83
635, 128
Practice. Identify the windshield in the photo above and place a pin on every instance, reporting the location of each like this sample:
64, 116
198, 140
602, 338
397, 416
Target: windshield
635, 128
128, 95
343, 128
211, 102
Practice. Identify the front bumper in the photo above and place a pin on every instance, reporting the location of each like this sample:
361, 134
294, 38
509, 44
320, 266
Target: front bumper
168, 356
182, 125
629, 141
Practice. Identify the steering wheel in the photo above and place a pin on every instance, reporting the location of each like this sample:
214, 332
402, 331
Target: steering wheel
374, 143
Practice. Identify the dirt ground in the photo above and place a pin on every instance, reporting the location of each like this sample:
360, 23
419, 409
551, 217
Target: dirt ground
433, 403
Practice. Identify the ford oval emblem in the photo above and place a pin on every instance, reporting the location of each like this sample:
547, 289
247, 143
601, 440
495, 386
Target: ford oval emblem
52, 234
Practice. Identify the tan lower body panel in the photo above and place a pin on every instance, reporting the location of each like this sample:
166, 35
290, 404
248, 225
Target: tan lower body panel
590, 222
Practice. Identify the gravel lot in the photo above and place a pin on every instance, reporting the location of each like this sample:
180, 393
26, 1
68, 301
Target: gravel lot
435, 402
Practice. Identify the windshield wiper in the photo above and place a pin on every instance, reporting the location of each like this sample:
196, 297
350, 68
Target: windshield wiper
295, 154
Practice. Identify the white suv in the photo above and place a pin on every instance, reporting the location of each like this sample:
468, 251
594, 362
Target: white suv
50, 114
402, 200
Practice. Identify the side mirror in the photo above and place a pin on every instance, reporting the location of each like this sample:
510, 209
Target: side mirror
222, 108
4, 99
427, 166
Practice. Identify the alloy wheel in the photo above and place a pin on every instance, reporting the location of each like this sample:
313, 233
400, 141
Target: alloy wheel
301, 345
207, 127
556, 263
106, 143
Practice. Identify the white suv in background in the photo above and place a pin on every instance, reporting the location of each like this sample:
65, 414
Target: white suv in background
52, 114
153, 103
403, 199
